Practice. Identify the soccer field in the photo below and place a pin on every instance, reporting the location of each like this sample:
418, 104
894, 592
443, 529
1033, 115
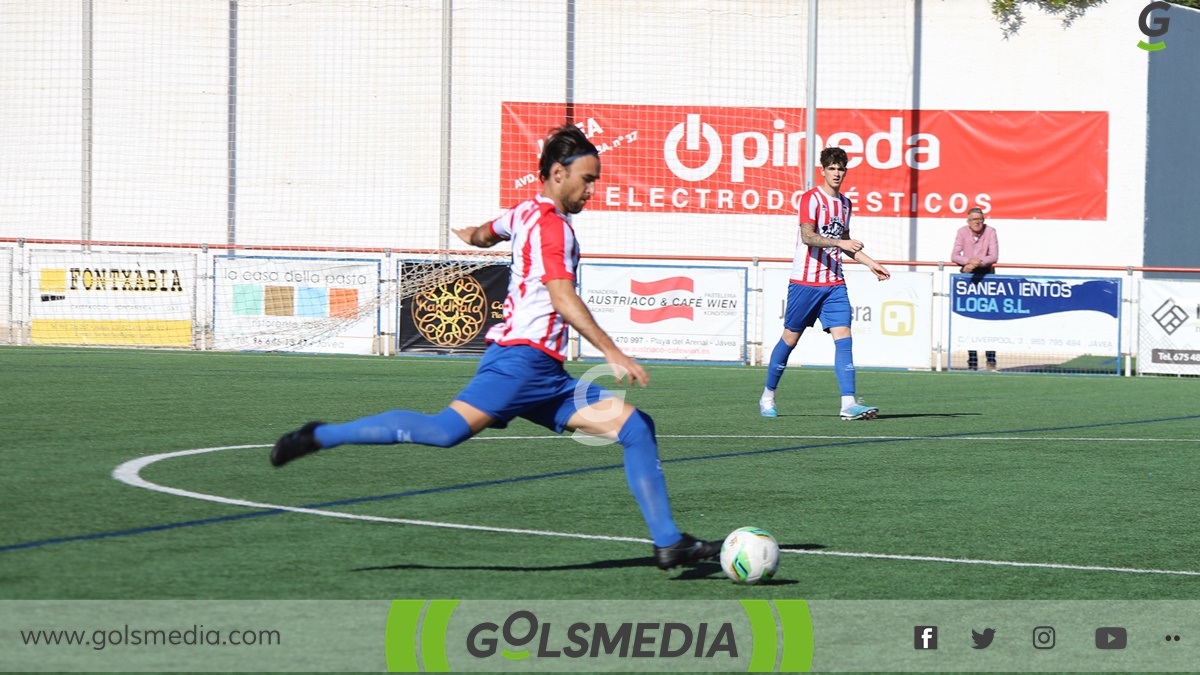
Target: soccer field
144, 475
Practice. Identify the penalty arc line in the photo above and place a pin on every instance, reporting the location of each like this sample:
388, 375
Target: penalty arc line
129, 473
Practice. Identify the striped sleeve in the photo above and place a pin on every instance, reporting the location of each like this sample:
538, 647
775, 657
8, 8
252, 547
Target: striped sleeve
503, 226
808, 208
552, 231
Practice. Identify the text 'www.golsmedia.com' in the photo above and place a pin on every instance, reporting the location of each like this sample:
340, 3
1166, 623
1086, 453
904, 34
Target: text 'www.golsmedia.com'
125, 636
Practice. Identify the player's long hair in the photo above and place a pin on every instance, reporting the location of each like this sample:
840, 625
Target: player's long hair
564, 145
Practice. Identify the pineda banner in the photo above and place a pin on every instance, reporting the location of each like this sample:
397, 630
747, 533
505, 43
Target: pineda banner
710, 159
692, 313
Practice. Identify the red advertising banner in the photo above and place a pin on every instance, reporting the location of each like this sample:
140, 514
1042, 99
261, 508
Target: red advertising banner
908, 163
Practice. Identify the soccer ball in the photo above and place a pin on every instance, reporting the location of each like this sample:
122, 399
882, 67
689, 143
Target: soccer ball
750, 555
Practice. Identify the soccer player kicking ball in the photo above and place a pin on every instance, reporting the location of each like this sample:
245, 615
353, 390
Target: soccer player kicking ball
521, 374
818, 287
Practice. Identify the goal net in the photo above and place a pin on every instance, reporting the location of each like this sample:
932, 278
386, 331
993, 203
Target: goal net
259, 137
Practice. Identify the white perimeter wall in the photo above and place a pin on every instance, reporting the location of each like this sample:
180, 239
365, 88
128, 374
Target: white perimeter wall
339, 111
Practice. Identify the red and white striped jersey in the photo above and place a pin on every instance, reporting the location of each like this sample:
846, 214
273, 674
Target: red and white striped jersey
543, 248
813, 266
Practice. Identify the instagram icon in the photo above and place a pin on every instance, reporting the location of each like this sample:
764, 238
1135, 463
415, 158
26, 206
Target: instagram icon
1043, 637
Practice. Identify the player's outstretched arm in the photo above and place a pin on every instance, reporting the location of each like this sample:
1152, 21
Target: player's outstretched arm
571, 308
880, 271
478, 235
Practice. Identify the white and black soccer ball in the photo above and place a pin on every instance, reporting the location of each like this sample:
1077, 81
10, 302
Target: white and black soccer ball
750, 555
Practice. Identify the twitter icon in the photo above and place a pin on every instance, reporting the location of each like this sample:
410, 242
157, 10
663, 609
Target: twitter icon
982, 640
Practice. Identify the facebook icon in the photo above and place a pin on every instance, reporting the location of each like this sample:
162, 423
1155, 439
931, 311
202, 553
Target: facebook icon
925, 637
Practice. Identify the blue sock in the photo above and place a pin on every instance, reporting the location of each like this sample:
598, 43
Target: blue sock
644, 475
843, 364
445, 429
779, 359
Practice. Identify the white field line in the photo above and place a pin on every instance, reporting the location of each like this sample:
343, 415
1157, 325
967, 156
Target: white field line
130, 474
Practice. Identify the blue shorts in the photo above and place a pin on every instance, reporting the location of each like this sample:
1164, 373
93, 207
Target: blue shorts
520, 381
805, 304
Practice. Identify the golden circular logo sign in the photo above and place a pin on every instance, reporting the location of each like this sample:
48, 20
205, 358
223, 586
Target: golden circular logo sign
450, 314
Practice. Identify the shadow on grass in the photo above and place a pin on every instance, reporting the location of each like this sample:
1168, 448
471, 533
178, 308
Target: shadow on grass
597, 565
701, 570
955, 414
880, 417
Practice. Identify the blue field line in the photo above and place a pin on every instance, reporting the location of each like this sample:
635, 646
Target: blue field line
906, 439
139, 530
273, 512
560, 474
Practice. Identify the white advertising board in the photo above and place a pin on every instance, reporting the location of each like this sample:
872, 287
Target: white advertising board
1169, 327
308, 305
665, 312
892, 322
112, 299
1036, 315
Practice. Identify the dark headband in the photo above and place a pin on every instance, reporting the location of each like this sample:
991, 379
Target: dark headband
567, 160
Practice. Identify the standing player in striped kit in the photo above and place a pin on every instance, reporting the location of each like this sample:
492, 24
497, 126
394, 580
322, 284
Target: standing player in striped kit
818, 287
521, 374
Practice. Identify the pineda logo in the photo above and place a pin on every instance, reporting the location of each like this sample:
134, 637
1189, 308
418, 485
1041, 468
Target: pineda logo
593, 636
